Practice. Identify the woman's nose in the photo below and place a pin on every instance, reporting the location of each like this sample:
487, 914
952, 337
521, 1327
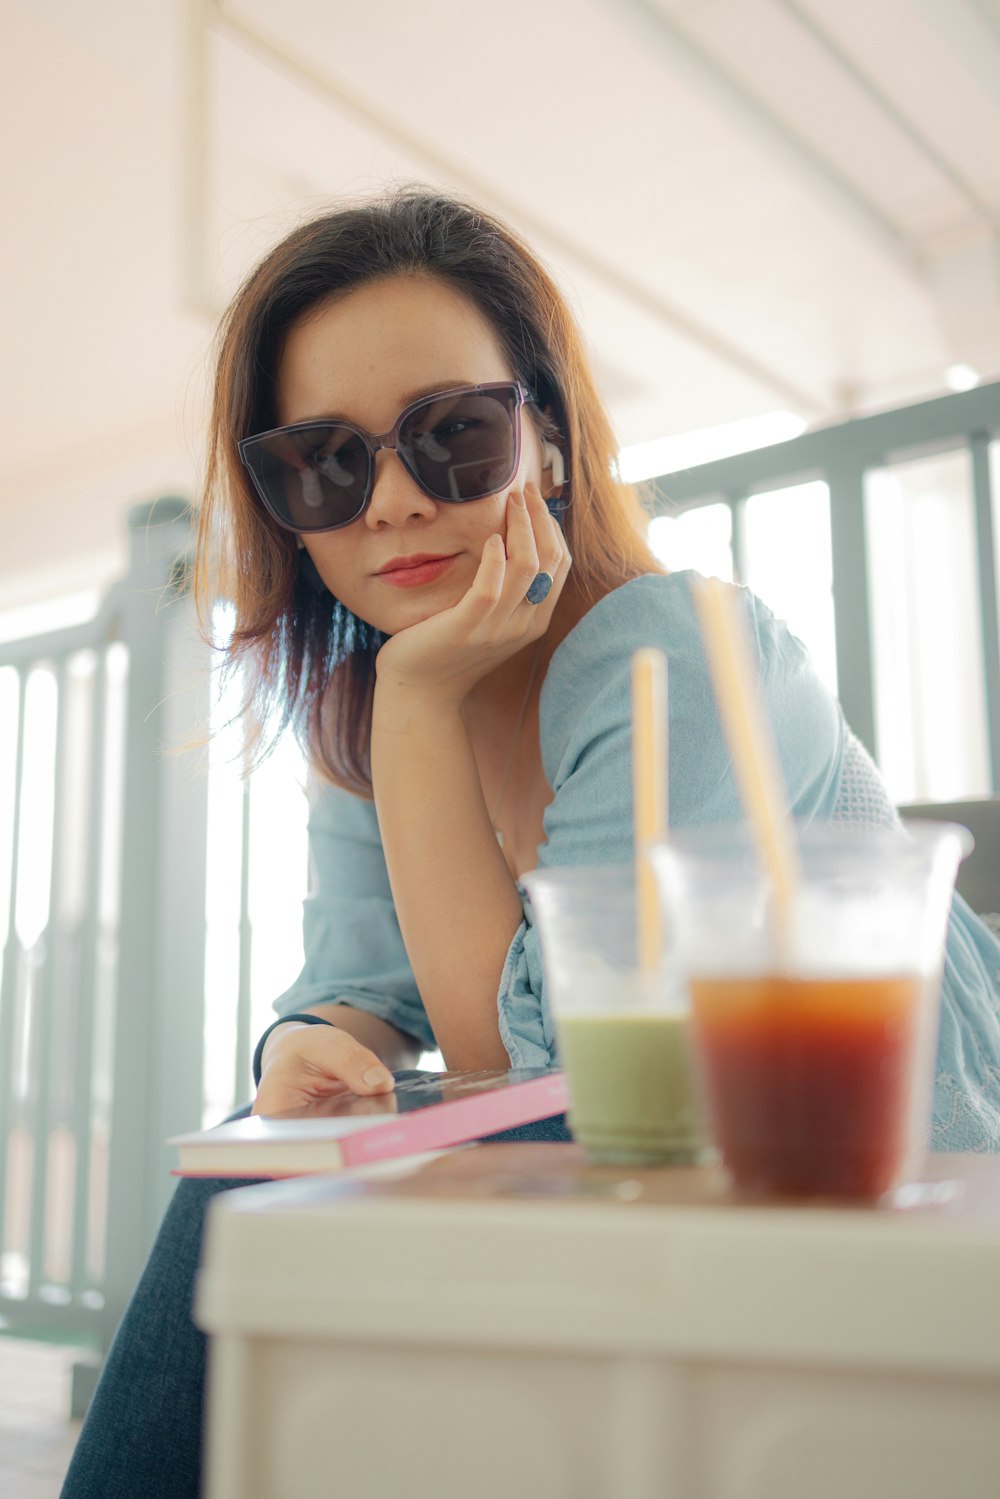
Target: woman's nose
396, 496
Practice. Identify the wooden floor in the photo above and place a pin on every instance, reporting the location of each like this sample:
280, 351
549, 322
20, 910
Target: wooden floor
36, 1435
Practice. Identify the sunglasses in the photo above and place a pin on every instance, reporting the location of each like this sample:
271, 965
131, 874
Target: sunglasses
457, 445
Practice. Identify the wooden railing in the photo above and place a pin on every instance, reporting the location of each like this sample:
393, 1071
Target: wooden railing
842, 456
101, 996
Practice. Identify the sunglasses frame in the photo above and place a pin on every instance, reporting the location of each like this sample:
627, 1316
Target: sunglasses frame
374, 444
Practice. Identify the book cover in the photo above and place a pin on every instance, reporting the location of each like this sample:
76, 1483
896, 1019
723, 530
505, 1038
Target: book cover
424, 1113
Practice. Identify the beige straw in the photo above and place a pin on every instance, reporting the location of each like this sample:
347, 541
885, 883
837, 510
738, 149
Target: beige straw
751, 745
649, 782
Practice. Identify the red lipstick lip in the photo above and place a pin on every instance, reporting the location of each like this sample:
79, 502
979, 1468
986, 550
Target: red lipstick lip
415, 559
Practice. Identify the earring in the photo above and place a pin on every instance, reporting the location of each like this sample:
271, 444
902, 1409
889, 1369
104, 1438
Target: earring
552, 458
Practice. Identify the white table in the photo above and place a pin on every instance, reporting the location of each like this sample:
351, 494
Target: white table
506, 1320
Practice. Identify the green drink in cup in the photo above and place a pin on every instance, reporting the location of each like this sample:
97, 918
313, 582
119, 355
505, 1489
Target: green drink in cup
622, 1031
632, 1099
621, 1013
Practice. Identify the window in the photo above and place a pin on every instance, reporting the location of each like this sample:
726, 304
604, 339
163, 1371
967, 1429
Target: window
926, 633
789, 566
700, 539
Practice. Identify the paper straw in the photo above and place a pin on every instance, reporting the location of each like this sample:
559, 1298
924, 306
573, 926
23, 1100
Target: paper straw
751, 745
649, 793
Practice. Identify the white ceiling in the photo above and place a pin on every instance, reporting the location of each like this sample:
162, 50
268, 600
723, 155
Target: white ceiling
754, 205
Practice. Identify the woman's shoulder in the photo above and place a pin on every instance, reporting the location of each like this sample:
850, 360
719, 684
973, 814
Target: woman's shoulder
653, 604
587, 690
634, 613
589, 670
633, 608
654, 609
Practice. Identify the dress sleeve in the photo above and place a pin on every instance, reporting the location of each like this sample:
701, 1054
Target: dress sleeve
353, 947
967, 1085
587, 754
967, 1082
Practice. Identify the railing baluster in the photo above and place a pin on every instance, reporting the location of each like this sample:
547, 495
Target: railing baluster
12, 959
87, 983
242, 1057
159, 1013
40, 1016
738, 534
851, 608
979, 450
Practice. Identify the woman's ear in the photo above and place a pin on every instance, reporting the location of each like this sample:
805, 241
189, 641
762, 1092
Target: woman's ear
550, 429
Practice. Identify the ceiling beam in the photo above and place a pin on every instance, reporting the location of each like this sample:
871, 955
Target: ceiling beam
868, 85
864, 211
212, 15
972, 31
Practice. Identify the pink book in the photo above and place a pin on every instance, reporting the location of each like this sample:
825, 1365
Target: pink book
424, 1113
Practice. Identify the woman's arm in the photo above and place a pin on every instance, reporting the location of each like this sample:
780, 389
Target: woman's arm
302, 1063
456, 904
356, 973
391, 1046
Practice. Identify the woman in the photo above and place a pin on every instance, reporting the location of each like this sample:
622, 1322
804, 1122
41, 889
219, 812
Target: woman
439, 581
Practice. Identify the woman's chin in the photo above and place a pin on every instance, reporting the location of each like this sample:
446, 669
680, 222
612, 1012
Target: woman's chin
413, 611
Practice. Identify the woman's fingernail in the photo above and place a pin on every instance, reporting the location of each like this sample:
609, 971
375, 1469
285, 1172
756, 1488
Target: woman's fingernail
376, 1075
518, 498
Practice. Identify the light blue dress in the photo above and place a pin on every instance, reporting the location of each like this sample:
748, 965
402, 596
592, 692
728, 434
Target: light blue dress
353, 946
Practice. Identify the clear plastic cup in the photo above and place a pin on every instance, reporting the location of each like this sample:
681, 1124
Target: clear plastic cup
623, 1035
816, 1037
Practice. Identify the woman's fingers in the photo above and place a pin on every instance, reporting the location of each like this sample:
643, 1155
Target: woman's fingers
522, 547
503, 567
550, 545
492, 570
311, 1061
534, 543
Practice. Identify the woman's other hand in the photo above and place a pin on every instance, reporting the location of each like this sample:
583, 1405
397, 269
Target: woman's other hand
305, 1063
446, 655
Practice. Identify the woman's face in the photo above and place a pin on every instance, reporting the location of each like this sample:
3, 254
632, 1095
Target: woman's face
364, 358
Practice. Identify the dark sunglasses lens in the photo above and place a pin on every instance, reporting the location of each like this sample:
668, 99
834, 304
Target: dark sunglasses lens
462, 447
314, 478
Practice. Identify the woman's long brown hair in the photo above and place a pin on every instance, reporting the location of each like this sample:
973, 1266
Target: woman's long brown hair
307, 661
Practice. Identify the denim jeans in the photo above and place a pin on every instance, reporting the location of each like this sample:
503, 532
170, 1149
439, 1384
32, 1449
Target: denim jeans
142, 1436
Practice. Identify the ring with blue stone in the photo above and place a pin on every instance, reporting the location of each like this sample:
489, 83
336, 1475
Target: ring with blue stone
540, 587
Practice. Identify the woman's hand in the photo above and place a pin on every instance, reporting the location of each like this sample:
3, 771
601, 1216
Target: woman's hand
445, 656
306, 1063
